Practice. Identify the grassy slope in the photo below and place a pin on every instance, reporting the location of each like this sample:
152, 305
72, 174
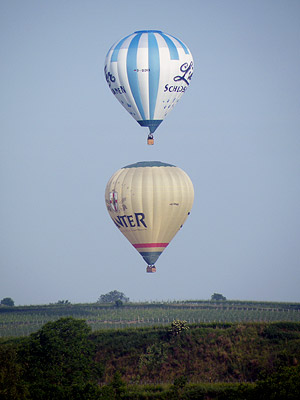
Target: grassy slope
205, 353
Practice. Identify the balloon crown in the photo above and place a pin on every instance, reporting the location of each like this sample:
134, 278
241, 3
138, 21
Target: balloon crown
145, 31
149, 164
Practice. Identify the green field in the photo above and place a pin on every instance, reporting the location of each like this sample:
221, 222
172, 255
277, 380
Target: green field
23, 320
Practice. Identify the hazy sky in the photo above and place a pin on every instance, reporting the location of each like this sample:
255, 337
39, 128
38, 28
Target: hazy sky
236, 132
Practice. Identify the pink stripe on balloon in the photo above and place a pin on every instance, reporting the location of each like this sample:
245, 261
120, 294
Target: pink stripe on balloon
144, 245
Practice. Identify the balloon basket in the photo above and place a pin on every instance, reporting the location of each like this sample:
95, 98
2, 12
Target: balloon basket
150, 141
151, 268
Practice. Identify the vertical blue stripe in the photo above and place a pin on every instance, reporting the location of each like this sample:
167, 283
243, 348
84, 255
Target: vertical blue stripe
154, 66
115, 53
132, 74
186, 50
172, 48
109, 50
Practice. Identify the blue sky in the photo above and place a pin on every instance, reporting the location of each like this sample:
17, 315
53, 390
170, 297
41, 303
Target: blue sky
236, 132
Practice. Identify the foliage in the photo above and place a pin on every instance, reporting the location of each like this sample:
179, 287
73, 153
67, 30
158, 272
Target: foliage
152, 360
112, 297
178, 327
283, 384
11, 385
118, 386
58, 356
280, 331
66, 302
118, 303
229, 352
7, 301
178, 388
218, 297
65, 361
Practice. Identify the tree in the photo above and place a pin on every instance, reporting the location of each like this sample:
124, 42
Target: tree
11, 385
118, 303
218, 297
59, 357
112, 297
7, 301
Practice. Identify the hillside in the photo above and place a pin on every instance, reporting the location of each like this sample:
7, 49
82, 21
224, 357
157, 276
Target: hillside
203, 353
66, 360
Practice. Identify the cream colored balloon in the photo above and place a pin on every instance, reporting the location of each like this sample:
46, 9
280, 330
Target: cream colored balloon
149, 202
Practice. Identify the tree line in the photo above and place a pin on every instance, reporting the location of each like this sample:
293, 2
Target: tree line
113, 296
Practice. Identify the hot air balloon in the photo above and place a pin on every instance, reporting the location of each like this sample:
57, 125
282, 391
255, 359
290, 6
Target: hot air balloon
148, 72
149, 202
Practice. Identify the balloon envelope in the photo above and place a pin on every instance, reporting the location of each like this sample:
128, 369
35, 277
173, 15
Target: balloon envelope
149, 201
148, 72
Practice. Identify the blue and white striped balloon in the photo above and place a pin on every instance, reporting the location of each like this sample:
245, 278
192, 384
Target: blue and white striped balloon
148, 72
